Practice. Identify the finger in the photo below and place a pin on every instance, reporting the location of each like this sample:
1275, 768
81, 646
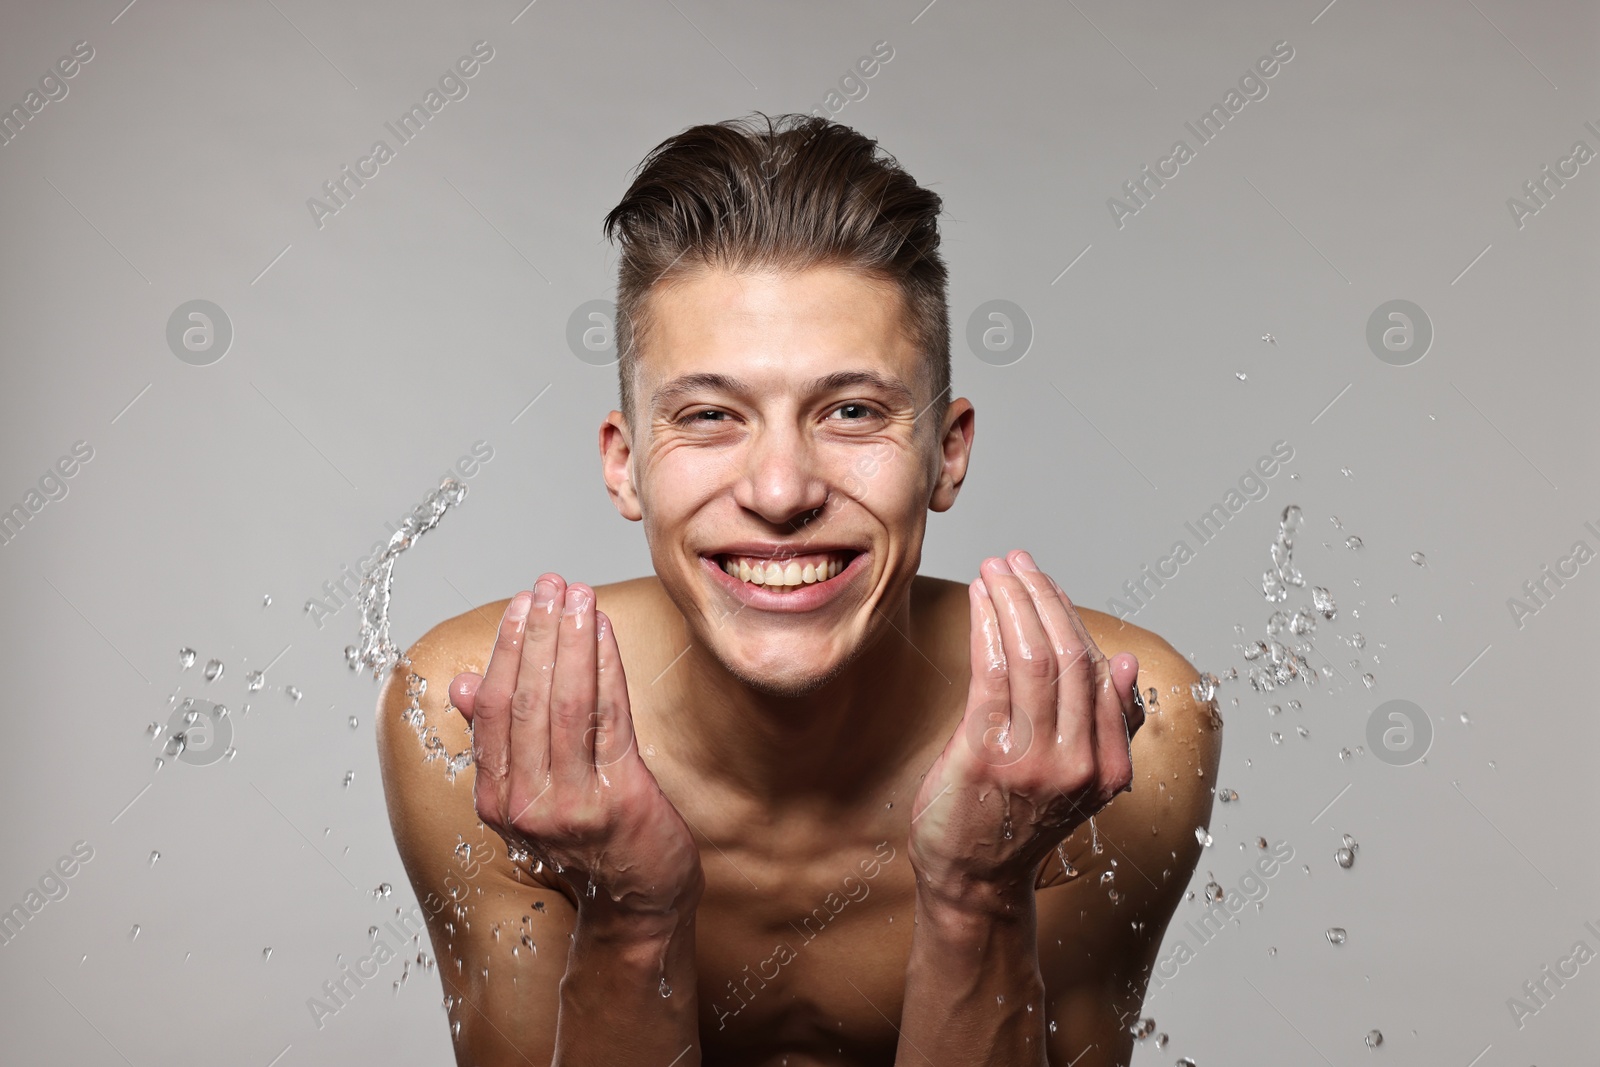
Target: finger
572, 691
464, 693
613, 724
1074, 666
530, 703
1125, 675
1030, 658
491, 728
1113, 723
988, 692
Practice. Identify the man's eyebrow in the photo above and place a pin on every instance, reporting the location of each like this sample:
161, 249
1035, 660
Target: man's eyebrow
679, 387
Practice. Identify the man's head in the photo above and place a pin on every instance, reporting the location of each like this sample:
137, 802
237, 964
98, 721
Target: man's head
785, 389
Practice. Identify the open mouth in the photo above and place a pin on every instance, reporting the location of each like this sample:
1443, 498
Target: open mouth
781, 574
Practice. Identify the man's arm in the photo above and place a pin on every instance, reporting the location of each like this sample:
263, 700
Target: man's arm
1095, 955
517, 957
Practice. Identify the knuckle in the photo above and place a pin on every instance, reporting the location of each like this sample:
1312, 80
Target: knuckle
1078, 772
1035, 668
523, 703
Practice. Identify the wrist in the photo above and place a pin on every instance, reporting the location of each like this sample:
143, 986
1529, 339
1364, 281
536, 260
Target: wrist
964, 906
631, 920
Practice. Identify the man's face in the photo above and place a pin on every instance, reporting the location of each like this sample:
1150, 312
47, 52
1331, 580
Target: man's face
782, 433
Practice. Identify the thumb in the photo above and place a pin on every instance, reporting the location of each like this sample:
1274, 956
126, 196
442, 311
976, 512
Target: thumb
464, 693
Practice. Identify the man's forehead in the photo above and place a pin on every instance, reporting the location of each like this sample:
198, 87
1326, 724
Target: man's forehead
803, 328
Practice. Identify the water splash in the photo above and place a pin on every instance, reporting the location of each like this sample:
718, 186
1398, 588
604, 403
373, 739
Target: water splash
375, 651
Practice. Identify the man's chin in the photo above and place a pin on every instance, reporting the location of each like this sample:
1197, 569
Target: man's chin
788, 683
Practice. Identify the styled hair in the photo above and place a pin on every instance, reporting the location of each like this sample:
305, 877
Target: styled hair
785, 194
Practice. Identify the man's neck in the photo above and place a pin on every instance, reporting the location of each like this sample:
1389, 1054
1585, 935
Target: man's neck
839, 741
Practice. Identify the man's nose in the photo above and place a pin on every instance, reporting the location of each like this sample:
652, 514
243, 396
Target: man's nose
781, 479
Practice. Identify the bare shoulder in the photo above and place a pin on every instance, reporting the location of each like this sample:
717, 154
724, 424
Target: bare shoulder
1101, 923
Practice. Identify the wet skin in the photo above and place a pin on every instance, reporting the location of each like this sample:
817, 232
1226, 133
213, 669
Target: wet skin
816, 778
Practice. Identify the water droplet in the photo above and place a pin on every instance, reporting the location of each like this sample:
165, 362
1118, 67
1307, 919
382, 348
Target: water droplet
1303, 731
1214, 892
1201, 836
253, 681
1352, 542
372, 932
1052, 1026
1269, 339
1368, 680
349, 776
1161, 1041
176, 744
1419, 559
213, 670
1466, 719
1491, 765
292, 693
153, 857
1374, 1038
266, 600
1344, 754
383, 890
186, 658
266, 954
1345, 858
134, 933
1346, 471
1143, 1028
1239, 375
1336, 935
664, 989
229, 752
1227, 796
1322, 600
354, 722
1108, 877
1277, 738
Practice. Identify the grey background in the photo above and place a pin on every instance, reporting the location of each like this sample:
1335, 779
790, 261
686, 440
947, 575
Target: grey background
370, 354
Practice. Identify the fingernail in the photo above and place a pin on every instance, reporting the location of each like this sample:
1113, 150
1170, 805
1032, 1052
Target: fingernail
601, 625
544, 593
983, 590
1000, 566
1027, 561
519, 606
577, 600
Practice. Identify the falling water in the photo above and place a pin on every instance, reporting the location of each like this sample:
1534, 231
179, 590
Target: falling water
375, 651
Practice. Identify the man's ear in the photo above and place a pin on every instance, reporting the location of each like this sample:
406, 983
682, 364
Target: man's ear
955, 451
616, 464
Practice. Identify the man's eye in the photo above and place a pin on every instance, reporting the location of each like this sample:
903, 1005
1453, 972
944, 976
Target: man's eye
855, 412
705, 416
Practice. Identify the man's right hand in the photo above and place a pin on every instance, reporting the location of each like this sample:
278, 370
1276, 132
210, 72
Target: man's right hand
558, 772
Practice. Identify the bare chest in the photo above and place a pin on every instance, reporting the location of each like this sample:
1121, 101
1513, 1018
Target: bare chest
805, 963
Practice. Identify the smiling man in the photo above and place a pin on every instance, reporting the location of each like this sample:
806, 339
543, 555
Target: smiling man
833, 812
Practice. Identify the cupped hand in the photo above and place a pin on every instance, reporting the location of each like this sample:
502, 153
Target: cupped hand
1045, 742
558, 774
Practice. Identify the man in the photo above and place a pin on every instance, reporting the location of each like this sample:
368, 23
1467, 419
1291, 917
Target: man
835, 812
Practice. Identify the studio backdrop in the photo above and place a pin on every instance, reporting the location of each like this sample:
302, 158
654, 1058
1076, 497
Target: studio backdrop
1209, 263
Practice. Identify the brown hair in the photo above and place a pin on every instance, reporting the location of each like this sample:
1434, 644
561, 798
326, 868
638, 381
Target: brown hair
801, 191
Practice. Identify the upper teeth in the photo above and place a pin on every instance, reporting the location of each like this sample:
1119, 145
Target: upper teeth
800, 571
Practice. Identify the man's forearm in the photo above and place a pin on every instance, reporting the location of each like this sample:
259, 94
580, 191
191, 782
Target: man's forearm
974, 995
628, 996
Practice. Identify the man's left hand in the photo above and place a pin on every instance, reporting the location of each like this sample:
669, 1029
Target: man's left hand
1045, 743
